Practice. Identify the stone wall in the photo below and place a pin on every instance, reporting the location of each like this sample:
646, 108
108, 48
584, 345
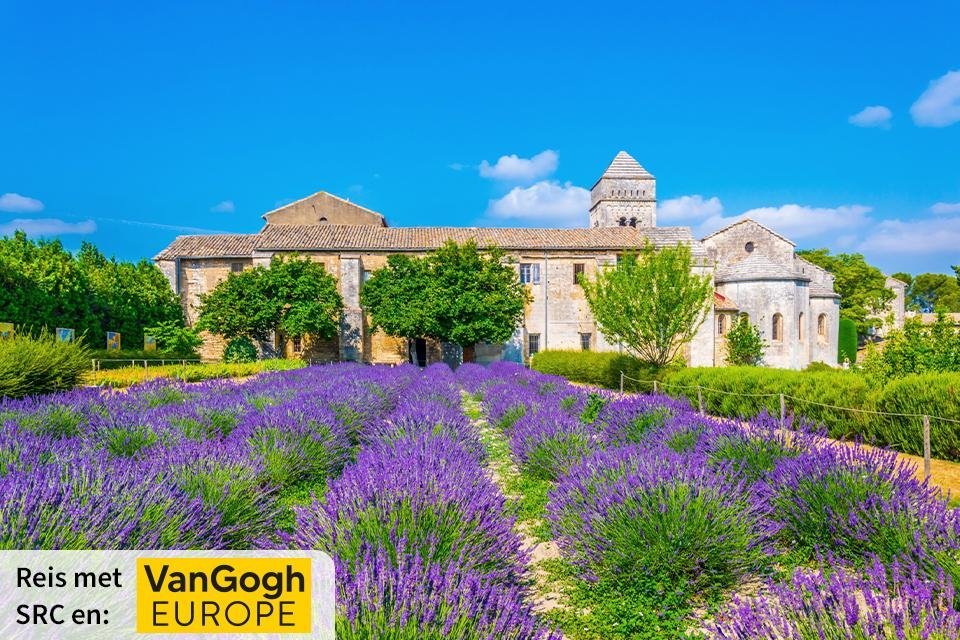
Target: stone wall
762, 300
558, 311
324, 208
824, 347
731, 245
616, 198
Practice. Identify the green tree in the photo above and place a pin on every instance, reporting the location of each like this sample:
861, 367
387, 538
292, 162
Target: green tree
295, 296
931, 292
862, 287
126, 296
307, 296
745, 345
239, 307
458, 294
917, 348
475, 296
651, 302
398, 298
43, 286
172, 337
847, 341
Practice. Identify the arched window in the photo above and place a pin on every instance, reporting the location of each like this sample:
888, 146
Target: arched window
800, 327
721, 324
777, 328
822, 326
633, 222
623, 222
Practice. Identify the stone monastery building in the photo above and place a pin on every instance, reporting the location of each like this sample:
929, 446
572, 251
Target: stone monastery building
755, 272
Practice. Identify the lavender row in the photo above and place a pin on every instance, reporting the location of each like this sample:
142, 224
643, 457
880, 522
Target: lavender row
648, 492
171, 465
418, 531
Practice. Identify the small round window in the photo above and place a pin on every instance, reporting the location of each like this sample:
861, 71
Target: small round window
748, 247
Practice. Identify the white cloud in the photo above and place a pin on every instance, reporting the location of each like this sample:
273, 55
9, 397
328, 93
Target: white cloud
227, 206
688, 209
16, 203
876, 116
546, 202
798, 222
516, 169
946, 208
47, 227
918, 237
456, 166
939, 105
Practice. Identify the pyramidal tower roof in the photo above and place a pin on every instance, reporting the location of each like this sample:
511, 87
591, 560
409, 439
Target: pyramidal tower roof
624, 166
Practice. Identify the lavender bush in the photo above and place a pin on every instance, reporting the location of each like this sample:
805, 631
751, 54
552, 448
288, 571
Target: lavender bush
410, 599
424, 493
854, 502
633, 514
893, 603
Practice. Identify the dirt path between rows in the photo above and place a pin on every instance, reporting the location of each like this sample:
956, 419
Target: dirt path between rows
502, 470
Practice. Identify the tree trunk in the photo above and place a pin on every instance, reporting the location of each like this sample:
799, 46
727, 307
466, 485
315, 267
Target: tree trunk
469, 353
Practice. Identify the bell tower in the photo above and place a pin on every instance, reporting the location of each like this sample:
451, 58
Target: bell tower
624, 196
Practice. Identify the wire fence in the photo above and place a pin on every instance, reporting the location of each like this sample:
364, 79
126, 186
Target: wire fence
96, 364
657, 385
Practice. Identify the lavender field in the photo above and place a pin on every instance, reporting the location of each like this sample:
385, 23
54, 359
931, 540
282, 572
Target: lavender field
434, 490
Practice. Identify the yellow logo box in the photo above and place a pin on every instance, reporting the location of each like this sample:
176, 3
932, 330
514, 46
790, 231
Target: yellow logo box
223, 595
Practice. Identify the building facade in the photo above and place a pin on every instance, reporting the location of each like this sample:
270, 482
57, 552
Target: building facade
755, 270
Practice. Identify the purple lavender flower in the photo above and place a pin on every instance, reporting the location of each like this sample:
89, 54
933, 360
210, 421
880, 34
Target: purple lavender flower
853, 502
634, 514
426, 491
895, 602
409, 598
547, 443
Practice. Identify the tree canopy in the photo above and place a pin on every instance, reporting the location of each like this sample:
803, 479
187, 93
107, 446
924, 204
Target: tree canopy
931, 292
44, 286
745, 345
862, 287
458, 294
651, 301
397, 298
295, 296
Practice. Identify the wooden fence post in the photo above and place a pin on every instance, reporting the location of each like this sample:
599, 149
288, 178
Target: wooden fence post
926, 446
700, 399
621, 382
783, 412
654, 386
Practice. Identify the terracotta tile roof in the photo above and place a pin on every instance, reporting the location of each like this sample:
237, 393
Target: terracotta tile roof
373, 238
723, 303
223, 245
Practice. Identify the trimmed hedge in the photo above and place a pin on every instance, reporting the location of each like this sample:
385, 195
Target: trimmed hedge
935, 394
847, 341
923, 393
592, 367
758, 389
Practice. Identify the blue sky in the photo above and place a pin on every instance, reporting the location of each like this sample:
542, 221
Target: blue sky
127, 124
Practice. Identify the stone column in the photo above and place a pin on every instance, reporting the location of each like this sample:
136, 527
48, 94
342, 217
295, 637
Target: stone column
351, 321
